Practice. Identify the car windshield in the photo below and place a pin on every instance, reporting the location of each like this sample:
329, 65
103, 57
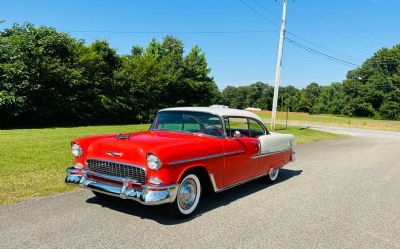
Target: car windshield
186, 121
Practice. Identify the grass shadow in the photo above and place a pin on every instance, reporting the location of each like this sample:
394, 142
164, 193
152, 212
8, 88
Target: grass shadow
209, 202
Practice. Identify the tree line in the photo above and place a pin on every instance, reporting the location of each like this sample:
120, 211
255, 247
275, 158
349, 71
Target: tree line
50, 78
371, 90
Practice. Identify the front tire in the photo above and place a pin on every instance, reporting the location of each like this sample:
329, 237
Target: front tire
272, 175
187, 198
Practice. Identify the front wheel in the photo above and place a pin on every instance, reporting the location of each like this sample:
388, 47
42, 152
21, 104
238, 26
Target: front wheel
187, 198
272, 175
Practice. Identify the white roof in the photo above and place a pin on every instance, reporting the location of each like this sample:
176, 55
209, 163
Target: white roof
218, 111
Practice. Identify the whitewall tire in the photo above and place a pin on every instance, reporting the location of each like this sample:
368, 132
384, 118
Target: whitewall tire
187, 198
272, 175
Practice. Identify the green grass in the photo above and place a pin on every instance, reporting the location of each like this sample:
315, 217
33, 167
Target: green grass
33, 161
331, 120
305, 136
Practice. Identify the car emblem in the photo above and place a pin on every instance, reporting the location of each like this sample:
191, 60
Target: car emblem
111, 153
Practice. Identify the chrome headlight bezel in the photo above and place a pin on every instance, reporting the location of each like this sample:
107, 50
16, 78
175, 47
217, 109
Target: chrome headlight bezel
76, 150
153, 162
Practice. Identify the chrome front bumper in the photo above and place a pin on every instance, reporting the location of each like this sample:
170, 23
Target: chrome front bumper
146, 195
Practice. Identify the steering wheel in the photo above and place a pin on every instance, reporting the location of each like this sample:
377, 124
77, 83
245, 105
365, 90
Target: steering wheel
213, 130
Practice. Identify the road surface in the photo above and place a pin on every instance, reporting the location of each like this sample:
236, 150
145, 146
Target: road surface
342, 193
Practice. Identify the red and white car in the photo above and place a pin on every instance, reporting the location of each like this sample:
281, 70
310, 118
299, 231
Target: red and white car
185, 150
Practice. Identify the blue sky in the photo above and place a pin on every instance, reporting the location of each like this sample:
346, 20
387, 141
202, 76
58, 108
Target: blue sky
350, 30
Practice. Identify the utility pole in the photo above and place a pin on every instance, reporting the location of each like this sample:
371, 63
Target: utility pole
278, 66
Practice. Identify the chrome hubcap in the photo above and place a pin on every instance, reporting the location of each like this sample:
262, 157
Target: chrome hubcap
273, 173
187, 193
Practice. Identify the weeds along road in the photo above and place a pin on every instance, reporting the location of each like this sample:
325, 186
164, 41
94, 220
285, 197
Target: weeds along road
342, 193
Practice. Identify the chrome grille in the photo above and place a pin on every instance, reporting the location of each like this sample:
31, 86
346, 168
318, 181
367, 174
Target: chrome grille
117, 169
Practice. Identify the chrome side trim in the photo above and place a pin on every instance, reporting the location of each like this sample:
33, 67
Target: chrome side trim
233, 152
216, 190
212, 180
206, 157
270, 153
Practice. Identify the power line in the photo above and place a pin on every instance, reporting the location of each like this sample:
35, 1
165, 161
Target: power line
298, 44
347, 25
319, 46
172, 32
313, 51
259, 13
266, 9
270, 21
334, 28
299, 37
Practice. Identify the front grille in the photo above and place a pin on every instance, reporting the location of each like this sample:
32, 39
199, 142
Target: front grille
117, 169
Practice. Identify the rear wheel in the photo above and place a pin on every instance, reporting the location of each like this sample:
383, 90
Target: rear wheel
272, 175
187, 198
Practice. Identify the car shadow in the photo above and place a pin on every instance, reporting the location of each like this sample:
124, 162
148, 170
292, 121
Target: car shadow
209, 201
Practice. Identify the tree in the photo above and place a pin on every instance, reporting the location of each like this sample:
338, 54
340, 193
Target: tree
370, 88
38, 69
50, 78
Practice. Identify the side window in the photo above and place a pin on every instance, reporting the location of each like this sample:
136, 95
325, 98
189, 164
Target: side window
239, 124
256, 129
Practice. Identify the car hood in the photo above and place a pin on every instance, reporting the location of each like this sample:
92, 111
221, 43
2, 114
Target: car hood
167, 145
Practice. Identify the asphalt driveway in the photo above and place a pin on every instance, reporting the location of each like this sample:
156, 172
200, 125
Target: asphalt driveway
341, 193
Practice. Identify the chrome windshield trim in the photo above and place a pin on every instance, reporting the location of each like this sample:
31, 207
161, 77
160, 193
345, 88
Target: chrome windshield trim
206, 157
270, 153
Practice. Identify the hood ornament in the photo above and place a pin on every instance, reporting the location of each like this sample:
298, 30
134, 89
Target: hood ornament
112, 153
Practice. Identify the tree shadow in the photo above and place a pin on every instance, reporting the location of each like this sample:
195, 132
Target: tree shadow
209, 201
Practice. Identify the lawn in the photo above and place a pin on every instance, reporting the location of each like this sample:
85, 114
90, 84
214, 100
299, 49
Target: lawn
331, 120
33, 161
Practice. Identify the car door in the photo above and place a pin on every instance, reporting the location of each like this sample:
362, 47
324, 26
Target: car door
240, 151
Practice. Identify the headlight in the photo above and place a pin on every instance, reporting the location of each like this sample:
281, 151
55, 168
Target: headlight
153, 162
76, 150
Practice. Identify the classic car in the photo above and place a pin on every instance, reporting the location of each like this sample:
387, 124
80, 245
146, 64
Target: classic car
185, 151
